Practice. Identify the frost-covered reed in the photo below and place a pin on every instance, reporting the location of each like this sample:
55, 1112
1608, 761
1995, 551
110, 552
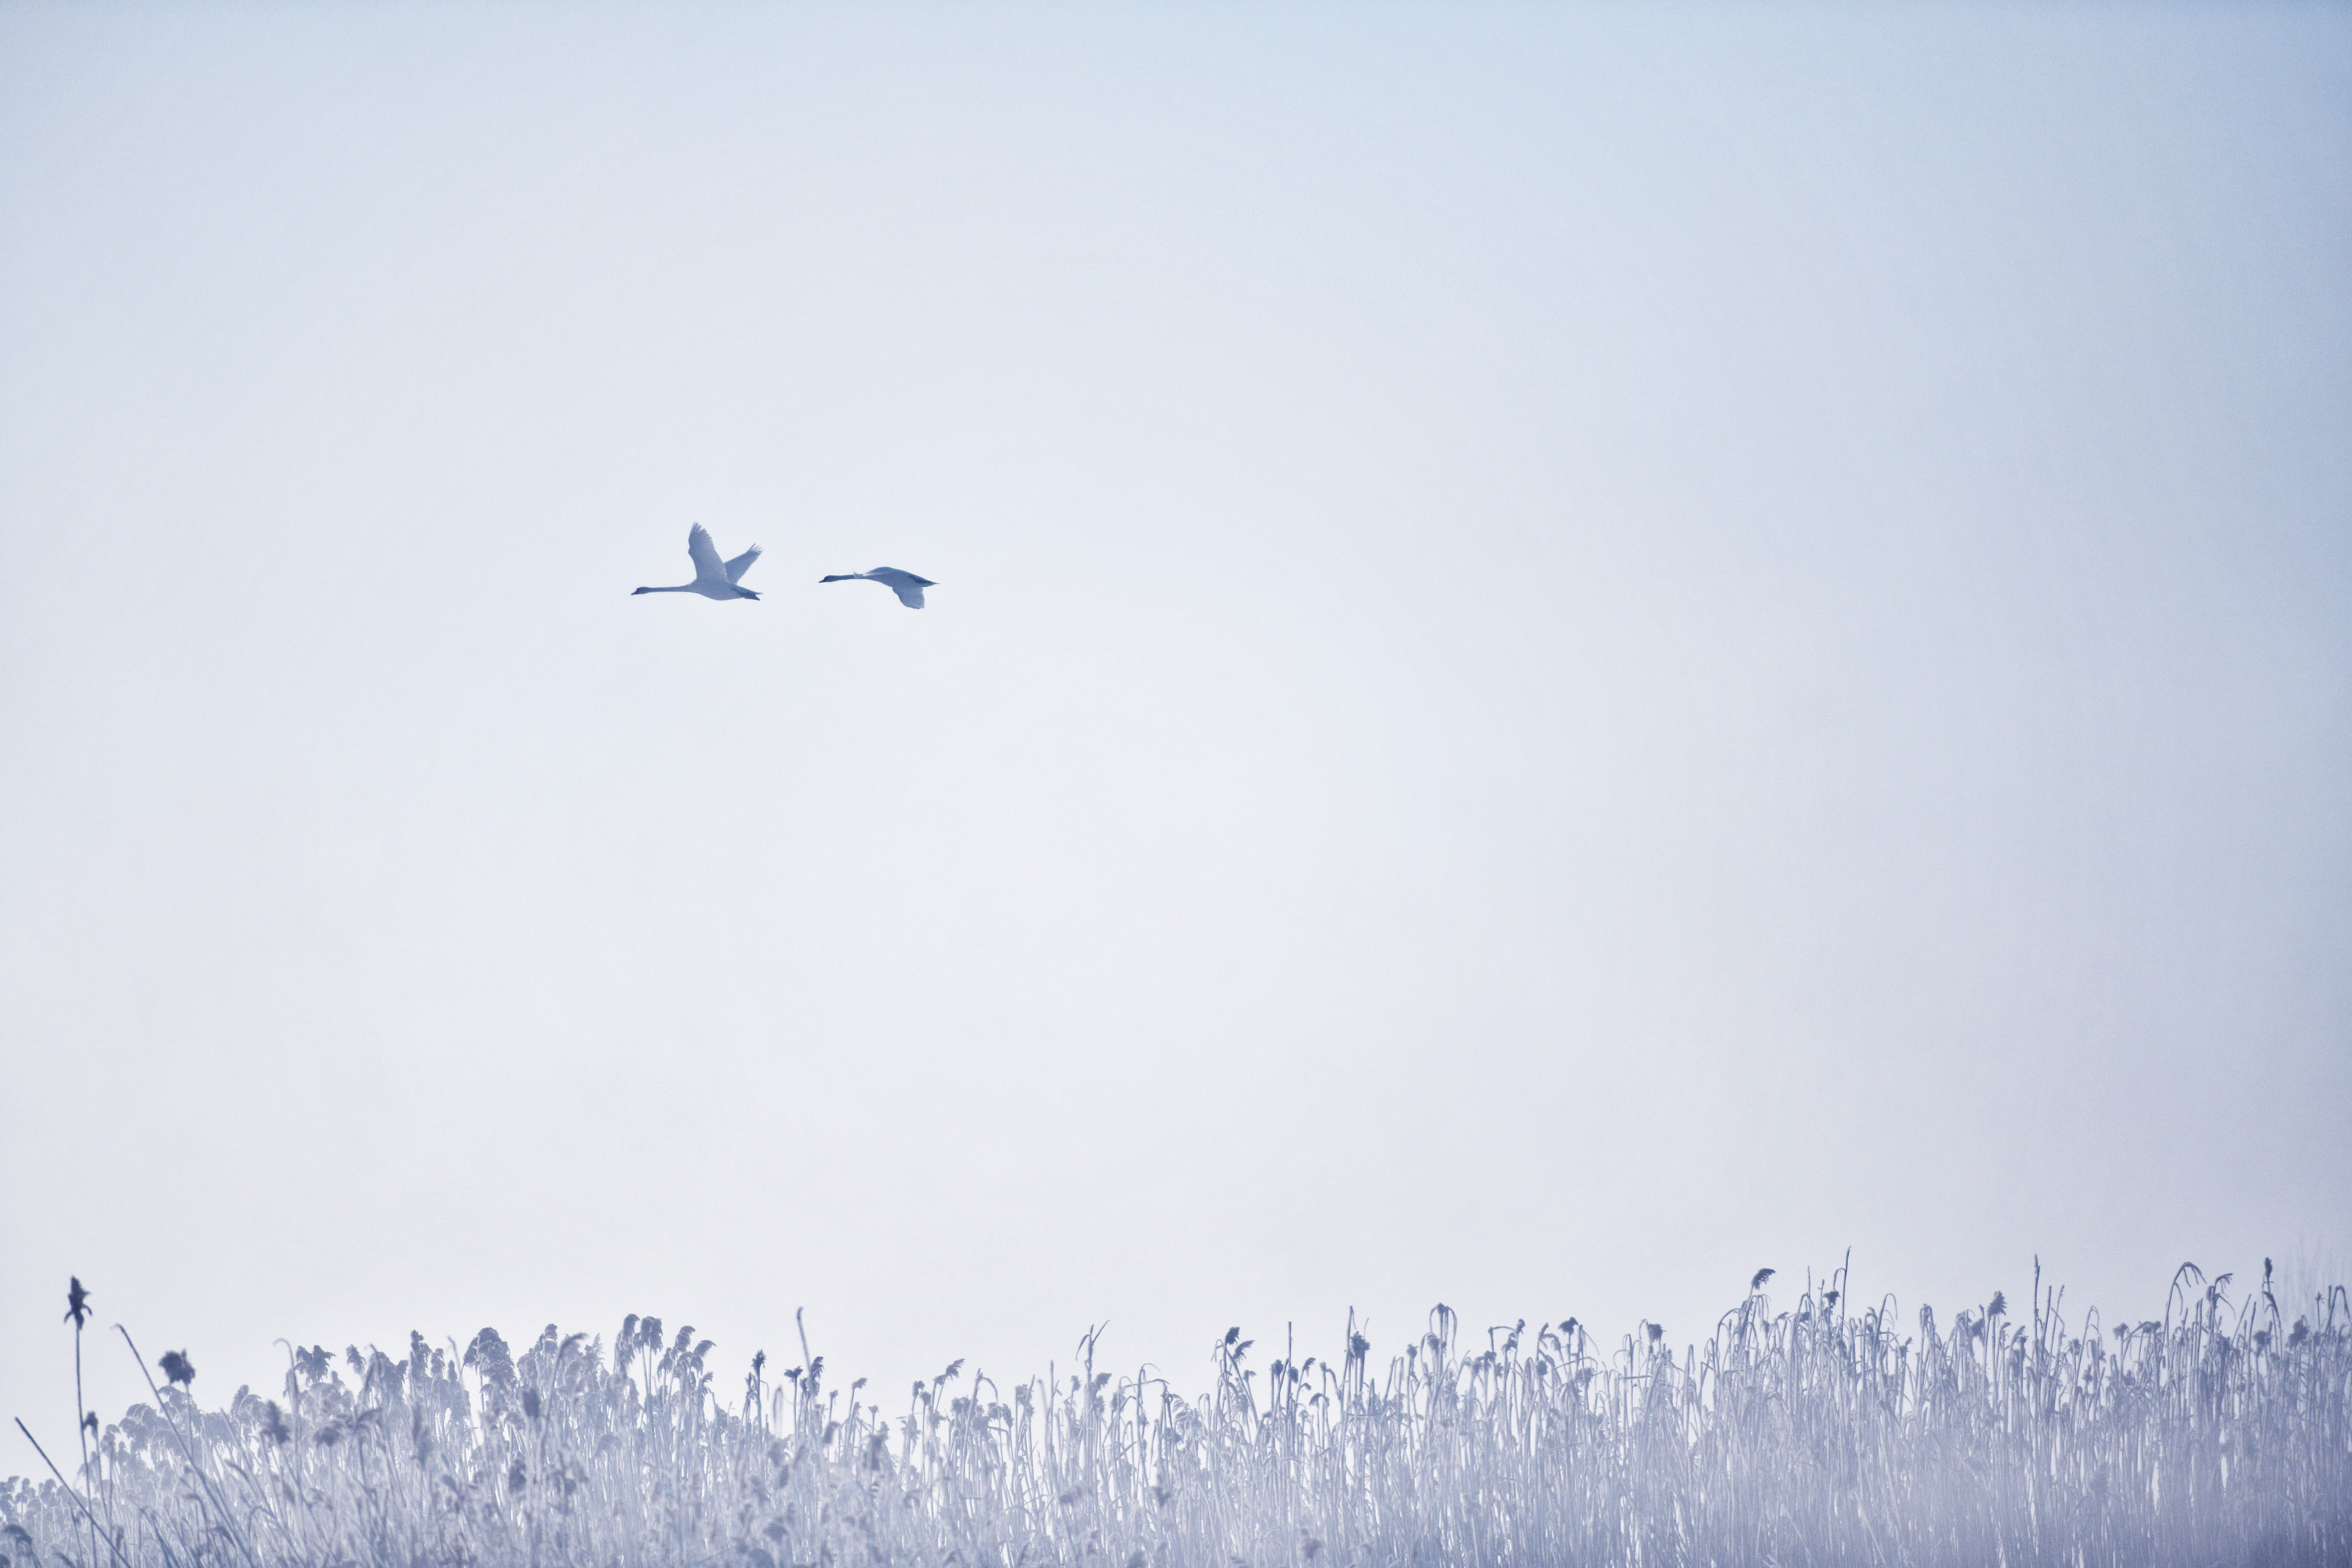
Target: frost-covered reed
1828, 1432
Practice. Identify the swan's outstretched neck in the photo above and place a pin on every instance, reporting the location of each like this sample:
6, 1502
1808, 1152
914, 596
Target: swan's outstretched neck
688, 588
841, 577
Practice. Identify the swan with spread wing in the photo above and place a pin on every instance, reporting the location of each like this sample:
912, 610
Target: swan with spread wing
713, 578
905, 584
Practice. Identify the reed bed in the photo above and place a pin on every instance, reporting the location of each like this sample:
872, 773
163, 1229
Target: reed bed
1825, 1433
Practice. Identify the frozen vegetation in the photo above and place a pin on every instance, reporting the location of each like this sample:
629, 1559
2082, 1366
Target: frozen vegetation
1817, 1431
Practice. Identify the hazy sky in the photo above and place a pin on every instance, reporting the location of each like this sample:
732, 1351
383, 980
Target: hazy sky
1578, 650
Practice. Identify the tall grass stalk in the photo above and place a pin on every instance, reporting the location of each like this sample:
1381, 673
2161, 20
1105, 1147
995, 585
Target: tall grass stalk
1816, 1435
78, 1314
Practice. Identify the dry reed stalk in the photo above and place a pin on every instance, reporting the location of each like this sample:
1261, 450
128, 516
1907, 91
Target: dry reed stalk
1829, 1433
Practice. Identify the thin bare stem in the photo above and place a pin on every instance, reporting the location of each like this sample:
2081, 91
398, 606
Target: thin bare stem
228, 1519
73, 1497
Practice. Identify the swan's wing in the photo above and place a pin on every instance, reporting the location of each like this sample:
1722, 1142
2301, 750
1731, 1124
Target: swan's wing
905, 584
740, 565
706, 555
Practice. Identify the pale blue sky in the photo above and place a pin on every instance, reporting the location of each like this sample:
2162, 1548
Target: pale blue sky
1578, 650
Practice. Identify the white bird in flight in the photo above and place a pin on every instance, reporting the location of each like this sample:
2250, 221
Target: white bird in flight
713, 578
905, 584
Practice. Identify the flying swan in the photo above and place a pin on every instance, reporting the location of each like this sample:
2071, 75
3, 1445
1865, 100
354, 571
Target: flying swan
905, 584
713, 579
